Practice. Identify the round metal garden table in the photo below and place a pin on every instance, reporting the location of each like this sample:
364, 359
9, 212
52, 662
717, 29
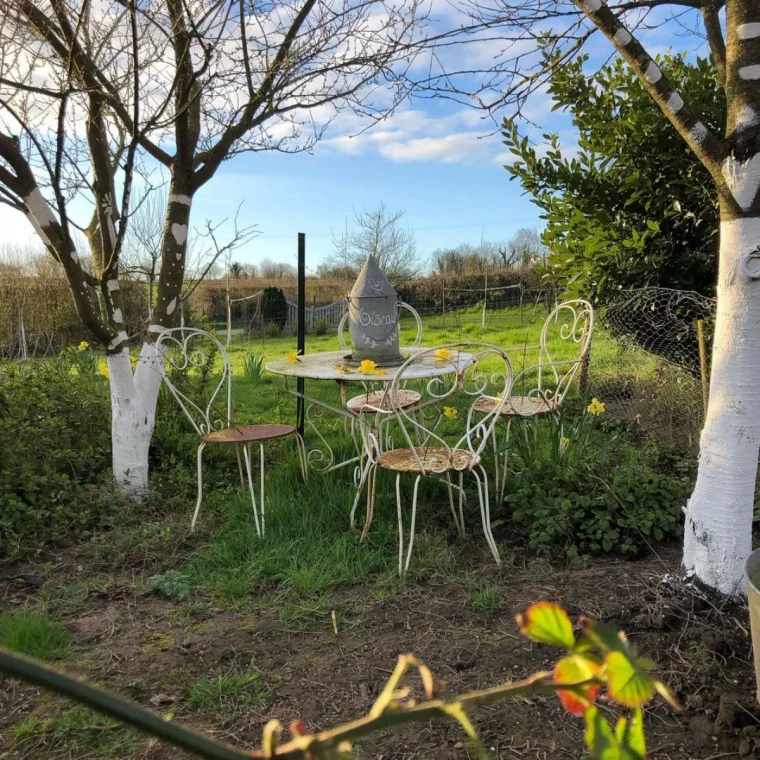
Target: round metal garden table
331, 366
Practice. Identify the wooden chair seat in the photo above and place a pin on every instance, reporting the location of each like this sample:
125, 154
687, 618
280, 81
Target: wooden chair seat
248, 433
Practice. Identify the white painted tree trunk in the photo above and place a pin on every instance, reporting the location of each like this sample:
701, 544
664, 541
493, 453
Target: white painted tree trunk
134, 397
718, 529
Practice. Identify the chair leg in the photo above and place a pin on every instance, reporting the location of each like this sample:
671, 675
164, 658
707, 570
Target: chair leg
485, 512
371, 486
451, 504
200, 485
240, 466
461, 501
301, 446
400, 525
413, 523
247, 459
496, 457
359, 489
263, 509
506, 462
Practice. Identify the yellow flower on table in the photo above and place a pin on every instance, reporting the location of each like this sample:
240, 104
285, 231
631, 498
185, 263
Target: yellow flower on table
381, 372
442, 354
83, 346
450, 412
367, 367
293, 356
596, 407
340, 368
103, 368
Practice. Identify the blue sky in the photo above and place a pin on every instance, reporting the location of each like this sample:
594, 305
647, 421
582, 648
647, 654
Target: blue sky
434, 159
458, 194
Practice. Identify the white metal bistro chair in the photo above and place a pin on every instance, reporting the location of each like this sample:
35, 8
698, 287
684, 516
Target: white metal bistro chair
370, 397
562, 350
184, 350
452, 445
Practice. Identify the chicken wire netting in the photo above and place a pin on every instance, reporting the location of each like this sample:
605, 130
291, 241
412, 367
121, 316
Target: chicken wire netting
646, 364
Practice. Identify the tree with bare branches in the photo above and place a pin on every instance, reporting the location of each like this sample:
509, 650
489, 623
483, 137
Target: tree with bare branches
540, 35
95, 97
379, 233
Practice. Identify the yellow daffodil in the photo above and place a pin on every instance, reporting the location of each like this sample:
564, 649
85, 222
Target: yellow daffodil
103, 368
367, 367
340, 368
83, 346
442, 354
596, 407
133, 361
450, 412
381, 372
293, 356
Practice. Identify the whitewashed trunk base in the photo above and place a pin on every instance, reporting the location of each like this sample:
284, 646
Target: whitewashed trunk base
133, 416
718, 528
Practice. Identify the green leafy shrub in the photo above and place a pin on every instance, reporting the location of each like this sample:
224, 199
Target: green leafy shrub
274, 307
594, 487
321, 327
272, 330
56, 452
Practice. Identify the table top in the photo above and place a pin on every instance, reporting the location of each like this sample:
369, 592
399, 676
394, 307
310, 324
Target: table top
324, 366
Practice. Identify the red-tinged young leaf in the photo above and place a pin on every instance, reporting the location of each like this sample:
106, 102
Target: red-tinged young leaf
548, 623
574, 669
298, 727
630, 736
628, 681
600, 741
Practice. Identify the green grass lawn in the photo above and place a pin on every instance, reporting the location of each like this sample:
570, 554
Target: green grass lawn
309, 549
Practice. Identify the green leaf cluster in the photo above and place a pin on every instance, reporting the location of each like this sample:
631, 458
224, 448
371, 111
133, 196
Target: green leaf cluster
633, 207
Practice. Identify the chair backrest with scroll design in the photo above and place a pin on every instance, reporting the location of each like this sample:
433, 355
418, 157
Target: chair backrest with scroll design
188, 349
564, 344
451, 379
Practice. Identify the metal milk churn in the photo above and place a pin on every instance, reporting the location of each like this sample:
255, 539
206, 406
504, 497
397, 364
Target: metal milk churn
373, 317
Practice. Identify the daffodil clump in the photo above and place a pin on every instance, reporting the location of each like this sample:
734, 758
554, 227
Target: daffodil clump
596, 407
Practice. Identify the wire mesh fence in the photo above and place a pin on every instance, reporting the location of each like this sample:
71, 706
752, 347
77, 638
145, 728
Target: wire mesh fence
650, 361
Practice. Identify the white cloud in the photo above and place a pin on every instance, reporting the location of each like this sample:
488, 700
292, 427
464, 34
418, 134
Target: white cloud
414, 135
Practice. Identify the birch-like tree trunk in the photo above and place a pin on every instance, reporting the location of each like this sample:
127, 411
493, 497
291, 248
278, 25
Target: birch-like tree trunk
718, 525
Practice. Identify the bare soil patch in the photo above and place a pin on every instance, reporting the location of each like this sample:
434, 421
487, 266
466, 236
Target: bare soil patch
153, 650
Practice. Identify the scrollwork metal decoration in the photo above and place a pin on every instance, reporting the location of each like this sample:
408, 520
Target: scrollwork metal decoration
437, 450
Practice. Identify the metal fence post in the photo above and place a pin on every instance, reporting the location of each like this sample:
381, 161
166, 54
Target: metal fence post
301, 320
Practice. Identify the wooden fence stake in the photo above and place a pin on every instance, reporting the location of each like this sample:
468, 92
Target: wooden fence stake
443, 303
485, 300
703, 363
